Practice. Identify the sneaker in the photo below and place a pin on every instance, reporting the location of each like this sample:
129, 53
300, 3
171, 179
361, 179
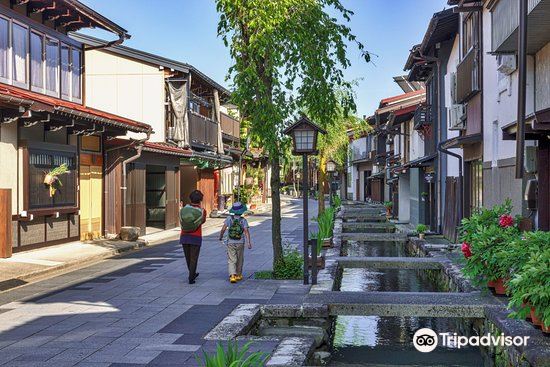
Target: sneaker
239, 277
233, 279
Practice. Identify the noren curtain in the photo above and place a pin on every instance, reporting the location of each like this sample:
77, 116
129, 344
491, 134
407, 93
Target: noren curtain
178, 100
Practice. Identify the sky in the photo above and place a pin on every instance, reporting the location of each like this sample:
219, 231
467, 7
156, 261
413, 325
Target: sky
186, 30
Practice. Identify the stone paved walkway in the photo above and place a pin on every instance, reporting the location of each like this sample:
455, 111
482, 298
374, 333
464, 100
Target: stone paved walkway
138, 309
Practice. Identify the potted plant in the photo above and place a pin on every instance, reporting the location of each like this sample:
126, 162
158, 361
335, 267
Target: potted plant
421, 229
486, 237
530, 284
388, 205
319, 248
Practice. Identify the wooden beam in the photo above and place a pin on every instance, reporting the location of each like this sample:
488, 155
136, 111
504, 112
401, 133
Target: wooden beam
54, 15
40, 7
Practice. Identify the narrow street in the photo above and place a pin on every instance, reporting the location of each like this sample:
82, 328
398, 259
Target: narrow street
138, 309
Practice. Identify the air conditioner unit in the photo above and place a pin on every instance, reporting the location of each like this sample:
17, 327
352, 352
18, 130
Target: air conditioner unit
457, 117
506, 64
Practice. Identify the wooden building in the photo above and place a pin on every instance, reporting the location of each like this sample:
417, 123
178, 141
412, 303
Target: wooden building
46, 124
195, 137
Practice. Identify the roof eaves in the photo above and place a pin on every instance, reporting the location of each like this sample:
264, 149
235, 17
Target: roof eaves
105, 23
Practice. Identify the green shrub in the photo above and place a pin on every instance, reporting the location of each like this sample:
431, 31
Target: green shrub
325, 219
388, 204
421, 228
489, 243
263, 274
530, 264
336, 201
532, 284
291, 266
233, 356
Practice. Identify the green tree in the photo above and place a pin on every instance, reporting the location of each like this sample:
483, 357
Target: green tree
288, 55
334, 146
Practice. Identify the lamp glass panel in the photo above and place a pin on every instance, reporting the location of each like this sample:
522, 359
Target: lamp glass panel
304, 140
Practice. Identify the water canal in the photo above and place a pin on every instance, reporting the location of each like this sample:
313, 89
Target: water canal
387, 341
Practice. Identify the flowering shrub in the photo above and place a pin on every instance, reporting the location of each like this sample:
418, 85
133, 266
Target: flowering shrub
506, 221
466, 250
486, 236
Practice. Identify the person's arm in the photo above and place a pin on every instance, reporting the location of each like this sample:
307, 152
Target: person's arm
203, 216
224, 227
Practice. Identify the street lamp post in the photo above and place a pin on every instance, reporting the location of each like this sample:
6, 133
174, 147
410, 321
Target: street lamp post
331, 168
304, 138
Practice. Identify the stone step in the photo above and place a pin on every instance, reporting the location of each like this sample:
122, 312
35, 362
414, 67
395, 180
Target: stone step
362, 219
372, 237
313, 332
366, 225
425, 263
405, 304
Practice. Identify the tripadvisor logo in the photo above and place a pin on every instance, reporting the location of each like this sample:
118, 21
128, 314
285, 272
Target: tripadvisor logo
426, 340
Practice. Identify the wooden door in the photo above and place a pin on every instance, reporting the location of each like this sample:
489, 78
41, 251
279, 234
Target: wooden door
171, 218
207, 187
91, 202
135, 197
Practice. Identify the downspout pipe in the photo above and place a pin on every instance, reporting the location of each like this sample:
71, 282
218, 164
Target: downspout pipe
522, 75
138, 144
460, 178
121, 38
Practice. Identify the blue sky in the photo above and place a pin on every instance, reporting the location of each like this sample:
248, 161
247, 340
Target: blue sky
185, 30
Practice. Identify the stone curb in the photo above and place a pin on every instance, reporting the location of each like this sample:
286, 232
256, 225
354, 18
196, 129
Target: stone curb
292, 352
40, 274
237, 323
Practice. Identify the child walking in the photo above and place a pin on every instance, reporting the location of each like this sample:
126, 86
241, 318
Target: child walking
237, 235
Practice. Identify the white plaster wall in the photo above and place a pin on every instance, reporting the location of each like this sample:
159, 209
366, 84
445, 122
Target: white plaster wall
8, 161
404, 198
542, 84
417, 143
500, 100
126, 87
452, 162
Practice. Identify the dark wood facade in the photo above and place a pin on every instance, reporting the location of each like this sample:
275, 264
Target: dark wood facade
139, 209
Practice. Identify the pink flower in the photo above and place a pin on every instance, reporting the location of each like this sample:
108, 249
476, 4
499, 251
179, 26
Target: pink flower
466, 250
506, 221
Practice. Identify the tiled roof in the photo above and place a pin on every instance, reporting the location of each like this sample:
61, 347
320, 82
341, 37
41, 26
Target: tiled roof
51, 104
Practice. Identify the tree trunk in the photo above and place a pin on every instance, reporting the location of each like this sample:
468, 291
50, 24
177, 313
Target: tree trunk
322, 184
276, 210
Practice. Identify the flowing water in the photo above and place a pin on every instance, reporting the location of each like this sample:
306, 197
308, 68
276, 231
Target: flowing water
387, 341
374, 249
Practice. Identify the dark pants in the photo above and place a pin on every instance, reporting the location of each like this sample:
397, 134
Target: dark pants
192, 258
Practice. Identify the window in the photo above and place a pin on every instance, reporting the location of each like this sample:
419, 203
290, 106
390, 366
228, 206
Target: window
470, 32
37, 61
476, 185
4, 49
52, 67
19, 49
65, 72
76, 68
41, 161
